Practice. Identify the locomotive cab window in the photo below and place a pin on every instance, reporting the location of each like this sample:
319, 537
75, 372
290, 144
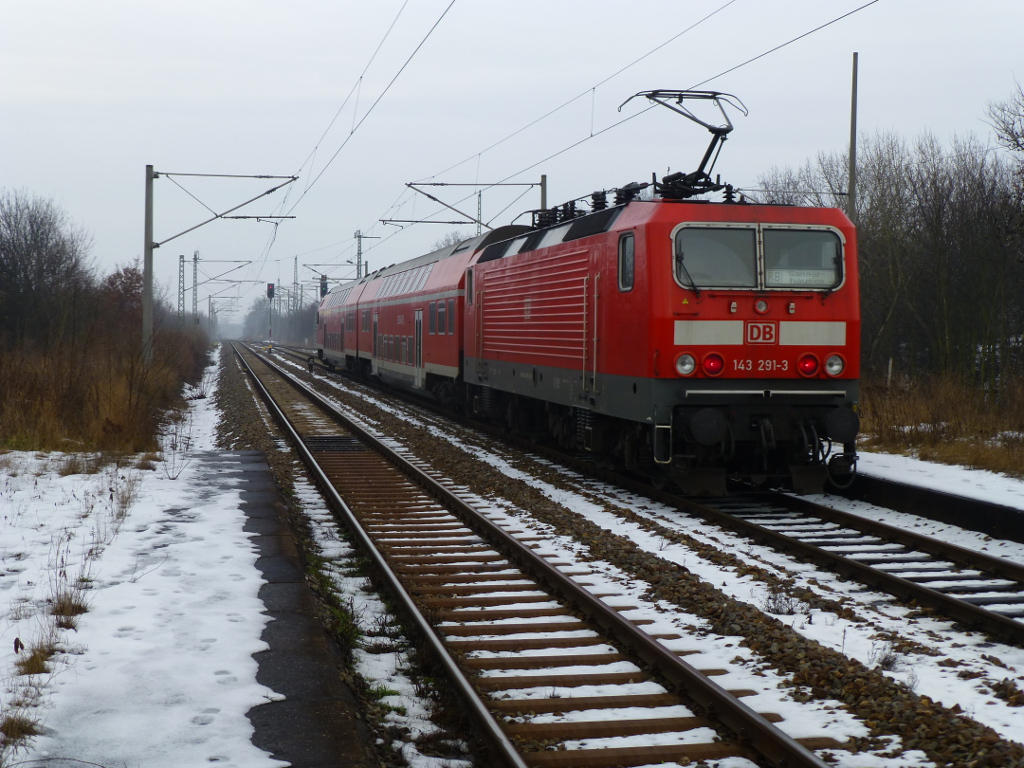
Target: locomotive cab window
802, 259
766, 257
626, 262
707, 257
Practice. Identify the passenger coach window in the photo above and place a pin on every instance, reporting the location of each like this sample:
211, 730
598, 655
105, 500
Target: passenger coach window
802, 259
451, 316
626, 262
442, 326
716, 258
433, 317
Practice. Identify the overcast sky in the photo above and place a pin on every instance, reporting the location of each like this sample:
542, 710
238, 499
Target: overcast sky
91, 93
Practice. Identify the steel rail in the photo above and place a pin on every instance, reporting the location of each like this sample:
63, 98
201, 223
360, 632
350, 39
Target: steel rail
975, 617
772, 743
1003, 627
496, 739
960, 555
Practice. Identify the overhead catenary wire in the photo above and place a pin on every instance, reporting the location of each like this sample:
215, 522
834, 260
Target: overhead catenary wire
554, 111
783, 45
593, 133
261, 261
590, 90
627, 119
355, 89
376, 102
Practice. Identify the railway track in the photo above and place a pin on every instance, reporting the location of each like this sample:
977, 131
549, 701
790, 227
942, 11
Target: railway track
981, 592
522, 637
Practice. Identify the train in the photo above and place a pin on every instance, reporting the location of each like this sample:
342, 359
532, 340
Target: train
694, 342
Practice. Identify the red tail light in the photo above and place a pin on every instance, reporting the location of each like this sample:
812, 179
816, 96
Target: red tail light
807, 365
713, 364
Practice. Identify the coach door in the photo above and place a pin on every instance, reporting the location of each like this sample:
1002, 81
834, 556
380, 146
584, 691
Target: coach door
419, 375
376, 347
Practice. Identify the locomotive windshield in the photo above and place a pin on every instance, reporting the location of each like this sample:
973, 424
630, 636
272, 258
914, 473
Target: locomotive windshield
802, 259
731, 257
708, 257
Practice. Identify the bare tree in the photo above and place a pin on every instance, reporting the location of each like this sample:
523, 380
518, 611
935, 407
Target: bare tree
43, 268
451, 238
1007, 118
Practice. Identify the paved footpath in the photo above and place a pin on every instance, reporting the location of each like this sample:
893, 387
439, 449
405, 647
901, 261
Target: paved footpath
317, 724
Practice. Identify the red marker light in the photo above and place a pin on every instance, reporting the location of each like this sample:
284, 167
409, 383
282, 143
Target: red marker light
807, 365
713, 364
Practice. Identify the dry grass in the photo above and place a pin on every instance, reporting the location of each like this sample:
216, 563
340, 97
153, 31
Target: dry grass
68, 604
947, 421
33, 660
103, 398
16, 728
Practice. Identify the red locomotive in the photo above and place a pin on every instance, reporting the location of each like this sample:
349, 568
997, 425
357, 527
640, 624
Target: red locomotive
686, 340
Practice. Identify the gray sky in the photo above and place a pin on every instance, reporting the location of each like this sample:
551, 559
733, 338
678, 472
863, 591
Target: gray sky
93, 92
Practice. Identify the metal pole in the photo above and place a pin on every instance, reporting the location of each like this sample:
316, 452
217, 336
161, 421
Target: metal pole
195, 288
296, 307
359, 253
479, 212
544, 191
147, 271
181, 290
851, 192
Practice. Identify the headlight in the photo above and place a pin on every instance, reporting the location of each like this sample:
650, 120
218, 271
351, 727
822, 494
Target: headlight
685, 365
834, 365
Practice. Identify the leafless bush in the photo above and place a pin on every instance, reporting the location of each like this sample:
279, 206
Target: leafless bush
776, 601
886, 657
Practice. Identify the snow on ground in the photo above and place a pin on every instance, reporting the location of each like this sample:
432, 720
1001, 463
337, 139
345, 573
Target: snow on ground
159, 671
959, 481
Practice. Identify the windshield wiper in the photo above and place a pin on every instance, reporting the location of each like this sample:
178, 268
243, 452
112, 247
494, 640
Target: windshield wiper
686, 273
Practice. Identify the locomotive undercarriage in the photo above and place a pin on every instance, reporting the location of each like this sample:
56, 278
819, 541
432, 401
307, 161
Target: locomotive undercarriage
799, 446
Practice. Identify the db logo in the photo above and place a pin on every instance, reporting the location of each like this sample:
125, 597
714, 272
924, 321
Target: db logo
761, 333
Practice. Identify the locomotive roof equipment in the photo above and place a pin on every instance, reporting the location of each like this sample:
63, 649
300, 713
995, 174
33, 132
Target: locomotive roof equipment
679, 186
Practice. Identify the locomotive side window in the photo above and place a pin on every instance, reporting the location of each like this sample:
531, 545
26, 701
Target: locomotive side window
626, 262
708, 257
802, 258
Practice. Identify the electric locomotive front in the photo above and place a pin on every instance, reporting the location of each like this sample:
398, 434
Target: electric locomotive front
758, 309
